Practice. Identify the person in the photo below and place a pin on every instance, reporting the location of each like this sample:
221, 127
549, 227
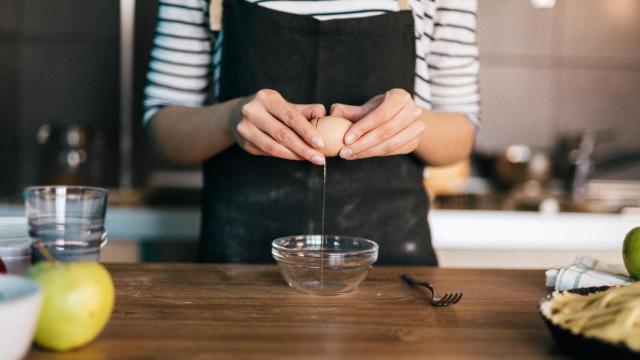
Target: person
239, 98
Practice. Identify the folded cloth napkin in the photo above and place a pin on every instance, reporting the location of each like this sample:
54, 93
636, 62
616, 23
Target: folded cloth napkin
586, 272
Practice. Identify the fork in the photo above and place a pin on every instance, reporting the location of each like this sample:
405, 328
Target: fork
449, 298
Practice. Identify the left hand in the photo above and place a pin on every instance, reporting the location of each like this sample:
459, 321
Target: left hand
388, 124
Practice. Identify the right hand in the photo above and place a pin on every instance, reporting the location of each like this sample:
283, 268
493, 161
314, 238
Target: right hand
268, 125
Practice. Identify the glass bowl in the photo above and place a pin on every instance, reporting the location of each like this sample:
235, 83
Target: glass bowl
334, 266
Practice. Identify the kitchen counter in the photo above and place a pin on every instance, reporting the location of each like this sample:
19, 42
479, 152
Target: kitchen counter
452, 229
461, 238
170, 311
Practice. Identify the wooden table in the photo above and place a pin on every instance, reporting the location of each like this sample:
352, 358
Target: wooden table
197, 311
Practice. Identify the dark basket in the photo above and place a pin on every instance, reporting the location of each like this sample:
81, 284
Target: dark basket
584, 347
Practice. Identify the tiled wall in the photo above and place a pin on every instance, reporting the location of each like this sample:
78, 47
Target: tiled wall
561, 70
59, 64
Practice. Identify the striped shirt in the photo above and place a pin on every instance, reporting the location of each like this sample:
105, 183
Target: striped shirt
186, 54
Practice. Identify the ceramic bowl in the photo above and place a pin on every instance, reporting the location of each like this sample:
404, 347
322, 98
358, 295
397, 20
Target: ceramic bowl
20, 301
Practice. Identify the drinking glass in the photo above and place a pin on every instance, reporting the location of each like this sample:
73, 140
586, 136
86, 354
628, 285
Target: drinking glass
67, 221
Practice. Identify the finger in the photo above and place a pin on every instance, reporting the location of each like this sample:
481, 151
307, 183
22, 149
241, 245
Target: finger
263, 142
252, 149
394, 101
407, 148
287, 137
355, 113
395, 145
350, 112
287, 113
383, 133
311, 111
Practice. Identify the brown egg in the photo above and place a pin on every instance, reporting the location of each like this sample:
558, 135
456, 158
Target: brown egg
332, 130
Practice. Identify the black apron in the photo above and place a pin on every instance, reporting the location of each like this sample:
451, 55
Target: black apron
248, 201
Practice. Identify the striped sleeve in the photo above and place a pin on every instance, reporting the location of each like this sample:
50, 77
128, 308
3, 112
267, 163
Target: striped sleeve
452, 59
180, 65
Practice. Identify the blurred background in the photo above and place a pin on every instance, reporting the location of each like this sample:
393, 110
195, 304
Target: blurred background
556, 167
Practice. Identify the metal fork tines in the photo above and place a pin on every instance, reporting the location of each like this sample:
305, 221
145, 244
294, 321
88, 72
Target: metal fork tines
447, 299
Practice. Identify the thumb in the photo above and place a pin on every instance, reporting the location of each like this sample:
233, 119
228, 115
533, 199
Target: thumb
311, 111
349, 112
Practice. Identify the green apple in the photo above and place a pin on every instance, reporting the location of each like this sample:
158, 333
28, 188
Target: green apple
631, 252
78, 301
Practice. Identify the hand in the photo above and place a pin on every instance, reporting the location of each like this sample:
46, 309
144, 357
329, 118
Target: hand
268, 125
388, 124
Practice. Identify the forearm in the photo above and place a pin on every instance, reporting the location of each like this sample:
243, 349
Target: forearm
189, 135
447, 139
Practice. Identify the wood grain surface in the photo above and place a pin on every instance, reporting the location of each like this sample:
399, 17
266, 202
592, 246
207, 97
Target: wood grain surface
198, 311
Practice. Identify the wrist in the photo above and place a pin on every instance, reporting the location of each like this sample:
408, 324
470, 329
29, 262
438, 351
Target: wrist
426, 118
234, 116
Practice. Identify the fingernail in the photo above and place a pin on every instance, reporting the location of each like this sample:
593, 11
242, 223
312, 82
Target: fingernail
349, 139
318, 143
318, 160
346, 153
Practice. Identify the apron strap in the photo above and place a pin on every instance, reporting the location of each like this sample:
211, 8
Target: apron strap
215, 13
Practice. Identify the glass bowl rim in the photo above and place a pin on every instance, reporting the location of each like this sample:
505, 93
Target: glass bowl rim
349, 253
